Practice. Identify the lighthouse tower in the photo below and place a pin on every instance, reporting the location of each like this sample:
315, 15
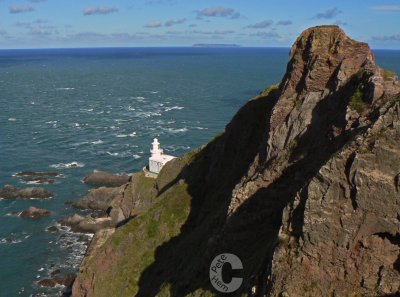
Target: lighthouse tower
156, 151
157, 159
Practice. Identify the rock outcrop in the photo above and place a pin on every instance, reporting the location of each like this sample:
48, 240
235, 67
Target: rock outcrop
102, 178
37, 177
34, 213
11, 192
99, 199
303, 186
86, 224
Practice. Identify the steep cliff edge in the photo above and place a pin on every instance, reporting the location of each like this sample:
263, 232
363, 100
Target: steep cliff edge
303, 186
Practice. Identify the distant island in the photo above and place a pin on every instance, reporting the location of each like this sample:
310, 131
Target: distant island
215, 45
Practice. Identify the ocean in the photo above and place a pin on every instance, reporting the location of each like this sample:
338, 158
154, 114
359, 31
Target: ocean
75, 110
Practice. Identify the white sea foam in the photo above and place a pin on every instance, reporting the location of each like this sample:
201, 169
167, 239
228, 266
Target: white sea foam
52, 122
130, 108
16, 214
174, 131
174, 108
154, 92
33, 182
73, 164
79, 143
136, 156
121, 135
87, 109
64, 89
133, 134
12, 119
147, 114
98, 142
113, 154
139, 98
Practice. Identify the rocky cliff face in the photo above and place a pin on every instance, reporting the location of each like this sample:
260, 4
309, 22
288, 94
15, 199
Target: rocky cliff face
303, 186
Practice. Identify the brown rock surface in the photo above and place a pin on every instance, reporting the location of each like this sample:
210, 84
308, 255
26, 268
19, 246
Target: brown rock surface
303, 186
11, 192
86, 224
102, 178
99, 199
34, 213
65, 280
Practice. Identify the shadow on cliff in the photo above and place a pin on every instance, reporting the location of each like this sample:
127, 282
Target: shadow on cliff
251, 232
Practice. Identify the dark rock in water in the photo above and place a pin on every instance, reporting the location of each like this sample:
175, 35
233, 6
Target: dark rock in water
52, 229
49, 283
86, 224
66, 281
84, 239
55, 272
37, 177
11, 192
34, 213
99, 199
42, 174
102, 178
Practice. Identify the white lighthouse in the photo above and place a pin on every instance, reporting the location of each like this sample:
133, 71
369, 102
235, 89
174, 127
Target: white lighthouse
157, 159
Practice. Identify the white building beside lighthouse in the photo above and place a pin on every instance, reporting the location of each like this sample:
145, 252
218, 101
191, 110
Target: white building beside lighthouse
157, 159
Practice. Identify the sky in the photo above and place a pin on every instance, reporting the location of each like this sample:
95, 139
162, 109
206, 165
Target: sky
133, 23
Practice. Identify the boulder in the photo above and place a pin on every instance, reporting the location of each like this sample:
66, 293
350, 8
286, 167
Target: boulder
52, 229
34, 213
102, 178
86, 224
65, 280
98, 199
11, 192
32, 173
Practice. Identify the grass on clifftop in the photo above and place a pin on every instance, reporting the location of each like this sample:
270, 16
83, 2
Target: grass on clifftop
387, 74
134, 244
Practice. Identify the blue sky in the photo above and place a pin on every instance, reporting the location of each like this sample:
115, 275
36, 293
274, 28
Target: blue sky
93, 23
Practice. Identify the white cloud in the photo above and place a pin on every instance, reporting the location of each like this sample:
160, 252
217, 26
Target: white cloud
93, 10
218, 11
387, 7
173, 22
17, 8
154, 24
260, 25
329, 14
284, 23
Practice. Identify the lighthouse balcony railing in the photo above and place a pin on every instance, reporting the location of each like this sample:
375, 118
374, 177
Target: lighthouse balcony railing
159, 151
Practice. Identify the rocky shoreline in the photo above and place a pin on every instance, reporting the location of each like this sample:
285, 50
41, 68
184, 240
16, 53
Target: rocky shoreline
96, 202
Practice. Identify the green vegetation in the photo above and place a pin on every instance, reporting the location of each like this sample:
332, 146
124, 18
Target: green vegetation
266, 92
358, 101
137, 241
387, 74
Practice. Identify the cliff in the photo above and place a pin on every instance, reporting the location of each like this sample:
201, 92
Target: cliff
303, 186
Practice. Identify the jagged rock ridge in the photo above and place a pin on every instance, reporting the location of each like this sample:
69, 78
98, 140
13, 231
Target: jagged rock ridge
307, 197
